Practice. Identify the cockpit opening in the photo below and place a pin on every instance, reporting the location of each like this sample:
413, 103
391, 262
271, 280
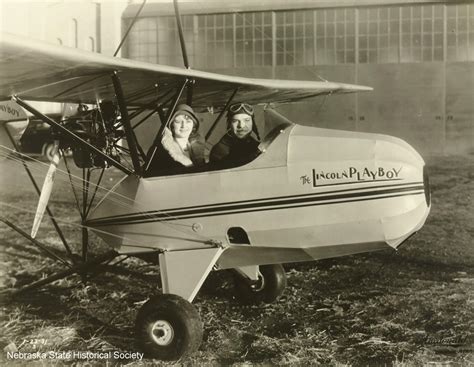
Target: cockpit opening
247, 151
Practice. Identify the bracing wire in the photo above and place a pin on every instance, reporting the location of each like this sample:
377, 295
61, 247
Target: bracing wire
130, 241
120, 200
72, 224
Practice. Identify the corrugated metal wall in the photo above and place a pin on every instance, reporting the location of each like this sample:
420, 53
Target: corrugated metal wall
430, 105
419, 59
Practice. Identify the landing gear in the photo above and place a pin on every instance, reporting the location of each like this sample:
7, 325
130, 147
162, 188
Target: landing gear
168, 327
269, 286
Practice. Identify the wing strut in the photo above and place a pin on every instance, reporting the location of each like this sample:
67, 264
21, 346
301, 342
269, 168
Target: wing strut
189, 92
181, 35
129, 134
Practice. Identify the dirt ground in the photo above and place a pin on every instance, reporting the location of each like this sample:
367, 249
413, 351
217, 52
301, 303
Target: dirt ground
411, 307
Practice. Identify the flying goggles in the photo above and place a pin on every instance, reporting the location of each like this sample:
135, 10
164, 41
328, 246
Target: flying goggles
241, 107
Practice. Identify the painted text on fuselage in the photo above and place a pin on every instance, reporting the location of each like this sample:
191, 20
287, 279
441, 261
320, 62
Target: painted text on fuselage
351, 175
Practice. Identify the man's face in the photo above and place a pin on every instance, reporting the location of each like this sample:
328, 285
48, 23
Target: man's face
241, 125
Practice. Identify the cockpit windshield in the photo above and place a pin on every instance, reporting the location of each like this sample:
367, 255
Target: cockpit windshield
272, 135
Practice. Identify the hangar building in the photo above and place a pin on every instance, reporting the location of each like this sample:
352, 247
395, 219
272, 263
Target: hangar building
417, 55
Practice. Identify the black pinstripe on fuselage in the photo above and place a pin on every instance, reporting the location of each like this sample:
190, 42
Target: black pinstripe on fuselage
264, 204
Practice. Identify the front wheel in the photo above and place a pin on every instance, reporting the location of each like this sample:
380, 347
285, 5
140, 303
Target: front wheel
168, 327
269, 286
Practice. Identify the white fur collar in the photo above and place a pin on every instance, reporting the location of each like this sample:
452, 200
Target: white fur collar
174, 150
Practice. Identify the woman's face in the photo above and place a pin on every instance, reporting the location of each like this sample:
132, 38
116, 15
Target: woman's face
182, 126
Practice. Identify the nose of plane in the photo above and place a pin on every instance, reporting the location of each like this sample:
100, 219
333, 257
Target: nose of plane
384, 169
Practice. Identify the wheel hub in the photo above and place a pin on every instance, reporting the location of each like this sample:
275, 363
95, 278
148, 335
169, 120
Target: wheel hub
258, 285
162, 332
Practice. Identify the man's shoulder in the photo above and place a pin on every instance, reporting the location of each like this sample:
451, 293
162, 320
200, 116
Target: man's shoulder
247, 144
224, 143
226, 140
221, 149
252, 141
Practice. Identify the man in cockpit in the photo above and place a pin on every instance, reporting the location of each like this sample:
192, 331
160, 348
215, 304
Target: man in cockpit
237, 147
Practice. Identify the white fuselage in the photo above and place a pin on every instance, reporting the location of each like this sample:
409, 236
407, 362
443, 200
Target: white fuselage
313, 193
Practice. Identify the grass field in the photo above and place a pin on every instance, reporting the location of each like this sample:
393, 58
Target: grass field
411, 307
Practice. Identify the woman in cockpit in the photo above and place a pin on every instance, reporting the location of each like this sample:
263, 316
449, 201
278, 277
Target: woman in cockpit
180, 144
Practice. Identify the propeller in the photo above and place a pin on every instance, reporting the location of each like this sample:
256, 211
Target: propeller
46, 189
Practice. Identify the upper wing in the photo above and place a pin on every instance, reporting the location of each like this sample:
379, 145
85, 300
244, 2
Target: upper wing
39, 71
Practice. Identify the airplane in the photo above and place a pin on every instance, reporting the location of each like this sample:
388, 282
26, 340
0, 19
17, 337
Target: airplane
309, 193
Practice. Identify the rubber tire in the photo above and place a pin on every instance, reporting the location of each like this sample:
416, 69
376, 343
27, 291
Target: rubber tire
181, 315
274, 283
48, 151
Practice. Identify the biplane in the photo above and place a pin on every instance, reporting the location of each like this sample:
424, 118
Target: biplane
308, 194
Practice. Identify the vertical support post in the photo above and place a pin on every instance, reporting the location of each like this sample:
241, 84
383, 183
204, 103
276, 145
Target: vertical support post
253, 37
356, 67
315, 37
274, 45
445, 61
98, 30
129, 134
234, 41
400, 40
